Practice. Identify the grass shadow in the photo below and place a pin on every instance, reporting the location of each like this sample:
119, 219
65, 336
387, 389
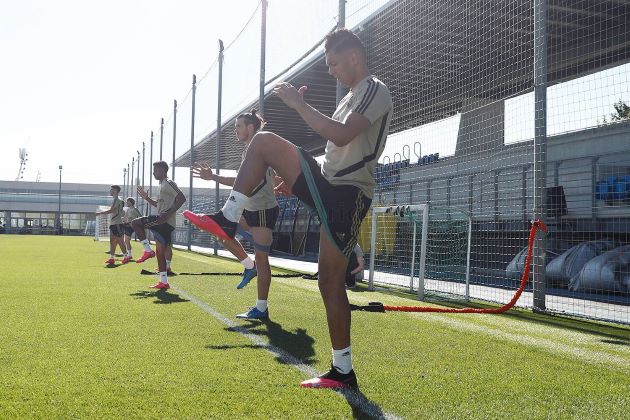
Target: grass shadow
298, 344
161, 296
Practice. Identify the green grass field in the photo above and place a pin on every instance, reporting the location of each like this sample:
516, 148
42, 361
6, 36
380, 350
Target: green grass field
83, 341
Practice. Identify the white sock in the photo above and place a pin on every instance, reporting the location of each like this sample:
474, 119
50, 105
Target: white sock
112, 255
261, 305
168, 264
163, 277
146, 246
233, 207
342, 359
248, 263
129, 253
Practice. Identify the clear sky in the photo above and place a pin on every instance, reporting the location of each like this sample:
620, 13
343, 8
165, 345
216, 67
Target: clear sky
84, 82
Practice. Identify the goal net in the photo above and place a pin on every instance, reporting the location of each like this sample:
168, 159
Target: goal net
421, 248
101, 227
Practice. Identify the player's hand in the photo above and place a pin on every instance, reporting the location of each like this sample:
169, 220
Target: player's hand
142, 193
203, 171
292, 97
282, 188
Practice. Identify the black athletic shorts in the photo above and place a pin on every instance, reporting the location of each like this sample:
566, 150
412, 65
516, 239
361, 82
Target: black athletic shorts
116, 230
127, 229
262, 218
163, 232
341, 208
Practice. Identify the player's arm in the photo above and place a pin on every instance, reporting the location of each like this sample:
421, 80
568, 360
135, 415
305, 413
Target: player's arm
339, 133
142, 193
111, 210
203, 171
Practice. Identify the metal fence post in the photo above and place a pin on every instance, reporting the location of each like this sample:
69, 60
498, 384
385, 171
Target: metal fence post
192, 159
218, 137
150, 174
174, 136
540, 145
263, 52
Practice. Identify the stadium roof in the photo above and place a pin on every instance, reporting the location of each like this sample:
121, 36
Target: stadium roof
438, 60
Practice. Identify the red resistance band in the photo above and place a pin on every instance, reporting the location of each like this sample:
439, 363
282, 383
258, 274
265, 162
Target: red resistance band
379, 307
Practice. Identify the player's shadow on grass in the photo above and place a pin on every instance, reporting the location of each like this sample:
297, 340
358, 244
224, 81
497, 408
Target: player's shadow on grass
298, 344
161, 296
362, 407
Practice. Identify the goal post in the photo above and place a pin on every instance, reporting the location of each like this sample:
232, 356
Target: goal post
421, 248
101, 225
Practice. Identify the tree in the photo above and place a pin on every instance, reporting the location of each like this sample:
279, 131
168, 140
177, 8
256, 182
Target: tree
622, 111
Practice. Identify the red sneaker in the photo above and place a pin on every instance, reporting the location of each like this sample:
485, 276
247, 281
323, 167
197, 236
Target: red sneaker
160, 285
215, 224
110, 261
145, 256
126, 260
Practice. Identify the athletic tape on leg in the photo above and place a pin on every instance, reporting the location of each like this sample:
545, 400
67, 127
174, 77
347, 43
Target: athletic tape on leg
262, 248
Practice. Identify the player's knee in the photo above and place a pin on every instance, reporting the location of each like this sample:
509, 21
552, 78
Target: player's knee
262, 139
329, 275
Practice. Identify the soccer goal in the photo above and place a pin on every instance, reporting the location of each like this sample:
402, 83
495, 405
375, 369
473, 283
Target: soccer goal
101, 226
422, 248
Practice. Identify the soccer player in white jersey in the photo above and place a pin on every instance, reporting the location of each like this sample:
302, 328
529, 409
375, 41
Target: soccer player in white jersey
116, 227
169, 200
131, 214
261, 213
341, 190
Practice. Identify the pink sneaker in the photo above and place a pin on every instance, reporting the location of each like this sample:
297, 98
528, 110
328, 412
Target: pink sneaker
160, 285
145, 256
126, 260
215, 224
110, 261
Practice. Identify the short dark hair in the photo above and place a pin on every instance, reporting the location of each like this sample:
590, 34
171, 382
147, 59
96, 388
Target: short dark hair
343, 40
115, 187
131, 200
161, 164
252, 117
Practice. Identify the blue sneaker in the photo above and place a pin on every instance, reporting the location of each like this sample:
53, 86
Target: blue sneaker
248, 275
254, 313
